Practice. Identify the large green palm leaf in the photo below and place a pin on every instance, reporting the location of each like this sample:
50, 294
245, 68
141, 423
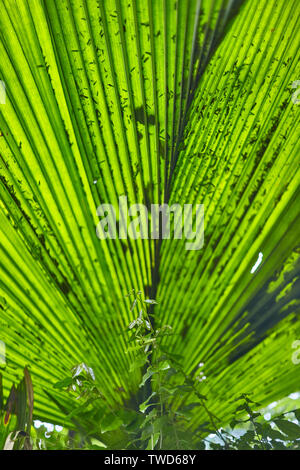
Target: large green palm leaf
162, 101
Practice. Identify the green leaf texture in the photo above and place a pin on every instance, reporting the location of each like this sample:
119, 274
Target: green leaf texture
163, 101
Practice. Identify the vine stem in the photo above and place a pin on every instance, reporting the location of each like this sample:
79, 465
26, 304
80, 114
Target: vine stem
161, 409
209, 414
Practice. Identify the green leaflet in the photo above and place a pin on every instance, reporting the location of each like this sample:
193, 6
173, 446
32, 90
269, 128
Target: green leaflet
16, 415
292, 430
110, 422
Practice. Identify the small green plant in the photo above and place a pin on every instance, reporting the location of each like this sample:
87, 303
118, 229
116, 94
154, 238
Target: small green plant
162, 424
278, 434
171, 396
